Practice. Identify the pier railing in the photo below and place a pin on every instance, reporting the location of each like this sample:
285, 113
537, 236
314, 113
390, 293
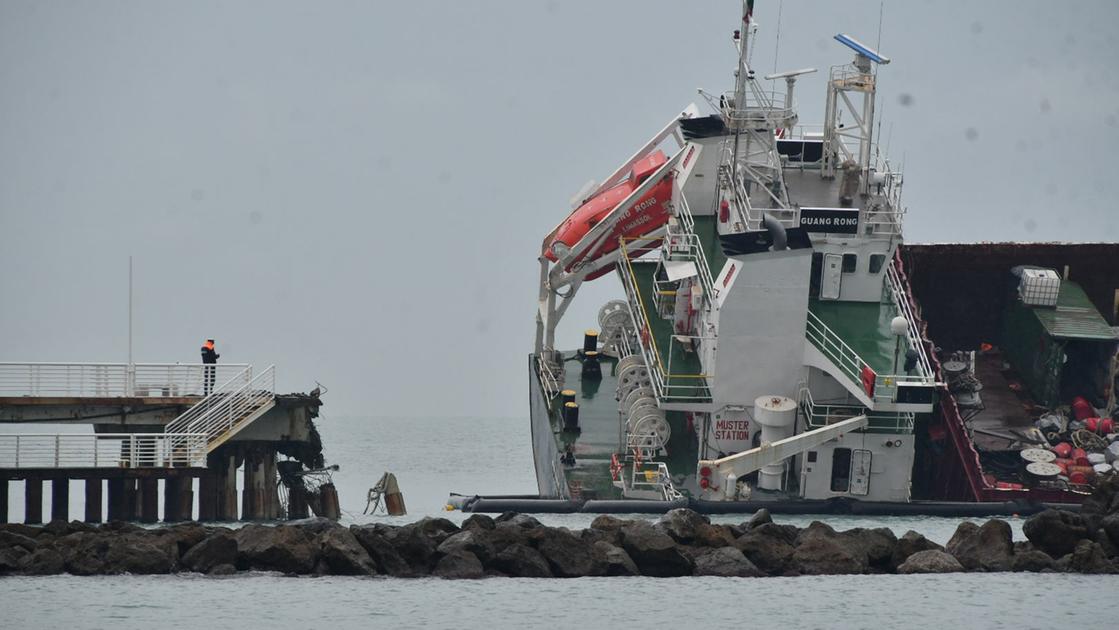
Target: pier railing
102, 450
111, 380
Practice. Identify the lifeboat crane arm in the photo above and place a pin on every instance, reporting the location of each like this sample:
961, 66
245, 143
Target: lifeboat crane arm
556, 276
747, 462
671, 129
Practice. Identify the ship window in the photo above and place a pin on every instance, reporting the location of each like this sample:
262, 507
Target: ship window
841, 470
850, 262
876, 262
811, 457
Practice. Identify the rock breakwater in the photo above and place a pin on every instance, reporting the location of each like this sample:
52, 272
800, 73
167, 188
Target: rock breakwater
681, 543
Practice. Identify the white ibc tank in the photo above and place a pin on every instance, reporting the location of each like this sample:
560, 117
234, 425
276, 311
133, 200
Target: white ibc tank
776, 415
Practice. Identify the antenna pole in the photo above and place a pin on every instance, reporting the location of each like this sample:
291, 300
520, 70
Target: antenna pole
743, 65
129, 310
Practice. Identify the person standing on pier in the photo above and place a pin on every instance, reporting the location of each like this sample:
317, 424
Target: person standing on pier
210, 360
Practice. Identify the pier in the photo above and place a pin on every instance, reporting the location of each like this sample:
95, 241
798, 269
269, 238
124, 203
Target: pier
158, 439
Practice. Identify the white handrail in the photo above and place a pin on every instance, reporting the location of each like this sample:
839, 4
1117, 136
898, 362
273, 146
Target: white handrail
102, 450
108, 380
210, 401
227, 409
819, 415
913, 335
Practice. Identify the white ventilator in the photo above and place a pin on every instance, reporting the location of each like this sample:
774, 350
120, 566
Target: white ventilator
776, 415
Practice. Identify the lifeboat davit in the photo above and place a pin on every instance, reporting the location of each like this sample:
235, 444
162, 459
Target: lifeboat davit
647, 214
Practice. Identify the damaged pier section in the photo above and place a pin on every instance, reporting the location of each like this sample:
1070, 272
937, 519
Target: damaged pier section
158, 442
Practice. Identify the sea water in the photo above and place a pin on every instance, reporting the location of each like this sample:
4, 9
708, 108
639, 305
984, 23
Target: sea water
434, 456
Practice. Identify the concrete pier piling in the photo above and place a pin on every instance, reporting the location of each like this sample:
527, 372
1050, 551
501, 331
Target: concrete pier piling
33, 501
248, 493
171, 501
93, 500
149, 500
60, 500
208, 497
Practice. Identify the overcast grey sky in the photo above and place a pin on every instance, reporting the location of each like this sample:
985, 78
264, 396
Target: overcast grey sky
356, 191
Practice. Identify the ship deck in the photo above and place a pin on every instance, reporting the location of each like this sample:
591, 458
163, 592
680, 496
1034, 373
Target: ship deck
600, 434
1000, 413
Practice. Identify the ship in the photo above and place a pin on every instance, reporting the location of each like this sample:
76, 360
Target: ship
776, 343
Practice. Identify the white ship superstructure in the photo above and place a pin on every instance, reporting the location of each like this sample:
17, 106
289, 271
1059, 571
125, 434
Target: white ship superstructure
764, 346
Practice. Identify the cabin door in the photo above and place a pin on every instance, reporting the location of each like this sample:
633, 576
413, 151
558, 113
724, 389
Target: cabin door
860, 472
831, 277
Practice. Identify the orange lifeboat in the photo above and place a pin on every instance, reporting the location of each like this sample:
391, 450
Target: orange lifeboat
649, 213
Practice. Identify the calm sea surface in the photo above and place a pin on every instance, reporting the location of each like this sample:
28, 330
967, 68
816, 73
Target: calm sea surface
432, 457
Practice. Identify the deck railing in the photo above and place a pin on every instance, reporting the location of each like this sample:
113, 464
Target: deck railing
548, 380
102, 450
913, 335
821, 415
110, 380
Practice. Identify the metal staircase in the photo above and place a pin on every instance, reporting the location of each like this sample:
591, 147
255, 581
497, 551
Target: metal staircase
229, 408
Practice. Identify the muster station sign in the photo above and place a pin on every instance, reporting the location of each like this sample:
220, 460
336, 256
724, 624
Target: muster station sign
830, 220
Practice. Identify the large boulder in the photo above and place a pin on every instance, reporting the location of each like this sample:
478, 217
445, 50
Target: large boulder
725, 562
568, 555
84, 552
714, 535
413, 544
820, 550
1087, 557
459, 565
1104, 501
653, 551
9, 539
478, 521
517, 520
474, 541
280, 548
343, 554
29, 531
986, 547
141, 554
436, 529
609, 522
1110, 525
183, 536
1056, 532
372, 538
10, 558
614, 559
1032, 560
761, 517
930, 561
877, 544
217, 549
43, 561
519, 560
682, 523
769, 547
910, 543
315, 525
